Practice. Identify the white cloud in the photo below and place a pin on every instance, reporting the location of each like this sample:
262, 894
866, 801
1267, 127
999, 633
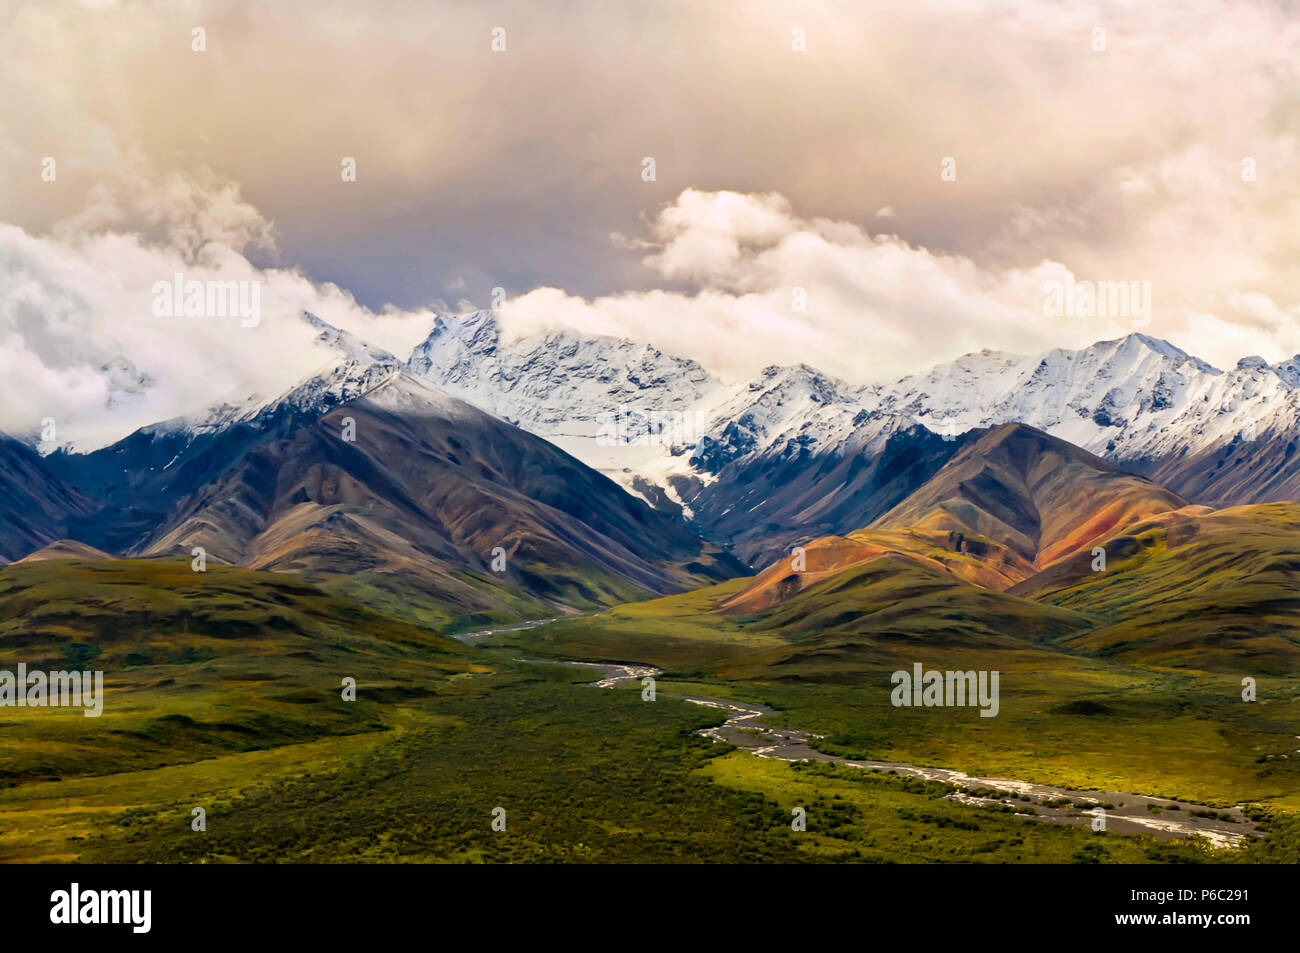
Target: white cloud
82, 345
1115, 165
875, 307
186, 211
764, 286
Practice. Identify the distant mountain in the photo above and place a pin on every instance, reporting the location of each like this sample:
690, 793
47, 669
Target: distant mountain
138, 479
555, 383
1245, 469
659, 425
793, 452
36, 506
1213, 437
1023, 530
594, 396
65, 549
427, 490
1040, 496
763, 505
761, 465
1009, 503
411, 509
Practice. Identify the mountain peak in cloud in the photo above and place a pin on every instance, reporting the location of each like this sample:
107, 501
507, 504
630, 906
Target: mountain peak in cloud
349, 345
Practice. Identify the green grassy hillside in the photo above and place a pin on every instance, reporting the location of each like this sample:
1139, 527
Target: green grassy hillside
1218, 592
198, 664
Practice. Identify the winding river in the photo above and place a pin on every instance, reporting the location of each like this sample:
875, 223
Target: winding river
1126, 813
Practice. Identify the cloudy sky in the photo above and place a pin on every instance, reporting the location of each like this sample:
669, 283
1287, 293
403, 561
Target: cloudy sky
798, 209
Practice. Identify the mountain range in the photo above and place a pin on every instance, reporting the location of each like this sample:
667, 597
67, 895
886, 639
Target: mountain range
795, 453
371, 481
601, 469
1022, 537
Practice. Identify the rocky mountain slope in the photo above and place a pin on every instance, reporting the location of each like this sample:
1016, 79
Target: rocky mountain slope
1012, 502
364, 476
760, 464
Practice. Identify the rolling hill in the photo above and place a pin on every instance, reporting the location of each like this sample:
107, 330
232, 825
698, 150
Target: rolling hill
199, 664
1212, 590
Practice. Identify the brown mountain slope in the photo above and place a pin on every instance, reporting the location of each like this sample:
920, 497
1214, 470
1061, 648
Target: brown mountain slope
1005, 506
1211, 590
892, 608
428, 489
1263, 470
978, 561
35, 505
1042, 497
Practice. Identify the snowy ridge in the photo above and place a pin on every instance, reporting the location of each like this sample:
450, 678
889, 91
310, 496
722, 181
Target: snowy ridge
350, 368
547, 383
1133, 398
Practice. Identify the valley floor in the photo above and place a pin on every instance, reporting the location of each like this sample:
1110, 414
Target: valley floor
583, 776
225, 696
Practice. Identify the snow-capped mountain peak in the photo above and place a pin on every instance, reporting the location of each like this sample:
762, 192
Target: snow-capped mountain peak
557, 382
349, 368
667, 429
1132, 398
